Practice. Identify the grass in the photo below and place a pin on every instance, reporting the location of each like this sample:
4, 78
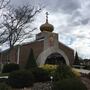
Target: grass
4, 74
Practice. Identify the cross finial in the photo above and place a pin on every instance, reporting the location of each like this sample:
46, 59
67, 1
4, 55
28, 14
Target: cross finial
47, 17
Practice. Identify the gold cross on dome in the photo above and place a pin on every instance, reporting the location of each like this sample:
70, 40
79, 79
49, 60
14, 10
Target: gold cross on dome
47, 16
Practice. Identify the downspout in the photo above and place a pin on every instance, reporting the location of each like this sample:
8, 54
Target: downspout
18, 54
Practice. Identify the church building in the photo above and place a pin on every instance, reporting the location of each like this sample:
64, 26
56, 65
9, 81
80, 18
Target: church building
47, 49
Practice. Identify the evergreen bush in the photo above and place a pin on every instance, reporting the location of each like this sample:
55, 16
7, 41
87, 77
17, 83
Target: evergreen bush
20, 79
4, 86
63, 72
31, 62
69, 84
10, 67
76, 60
40, 75
3, 80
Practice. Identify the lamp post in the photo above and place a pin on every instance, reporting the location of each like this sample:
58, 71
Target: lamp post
51, 78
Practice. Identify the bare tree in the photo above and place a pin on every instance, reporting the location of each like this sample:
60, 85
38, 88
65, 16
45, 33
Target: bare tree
4, 3
16, 21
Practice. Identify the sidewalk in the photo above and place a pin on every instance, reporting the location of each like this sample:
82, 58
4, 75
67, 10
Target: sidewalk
86, 82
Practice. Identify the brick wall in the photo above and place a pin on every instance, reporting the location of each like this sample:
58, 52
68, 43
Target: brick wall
68, 51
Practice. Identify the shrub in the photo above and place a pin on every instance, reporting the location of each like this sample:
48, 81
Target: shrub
63, 72
31, 62
4, 86
76, 60
69, 84
3, 80
49, 68
76, 72
40, 75
20, 79
10, 67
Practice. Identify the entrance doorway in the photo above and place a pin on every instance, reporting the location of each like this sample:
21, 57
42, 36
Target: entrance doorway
55, 59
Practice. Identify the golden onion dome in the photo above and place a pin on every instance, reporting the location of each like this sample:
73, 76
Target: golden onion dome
46, 27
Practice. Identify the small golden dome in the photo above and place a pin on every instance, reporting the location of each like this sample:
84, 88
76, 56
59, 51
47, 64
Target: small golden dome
46, 27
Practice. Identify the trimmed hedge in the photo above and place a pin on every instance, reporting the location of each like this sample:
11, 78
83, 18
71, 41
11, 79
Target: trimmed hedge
40, 75
69, 84
20, 79
10, 68
4, 86
3, 80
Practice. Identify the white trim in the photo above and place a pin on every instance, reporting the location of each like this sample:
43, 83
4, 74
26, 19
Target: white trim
18, 55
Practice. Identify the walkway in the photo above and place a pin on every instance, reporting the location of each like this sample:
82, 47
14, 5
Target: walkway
86, 82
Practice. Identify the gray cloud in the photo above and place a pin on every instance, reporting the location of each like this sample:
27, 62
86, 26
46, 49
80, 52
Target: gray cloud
31, 2
68, 6
16, 3
81, 21
76, 19
85, 21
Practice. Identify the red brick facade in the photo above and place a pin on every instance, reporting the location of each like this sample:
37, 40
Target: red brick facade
68, 51
37, 47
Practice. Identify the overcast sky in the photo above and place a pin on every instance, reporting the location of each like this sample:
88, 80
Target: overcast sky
71, 19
